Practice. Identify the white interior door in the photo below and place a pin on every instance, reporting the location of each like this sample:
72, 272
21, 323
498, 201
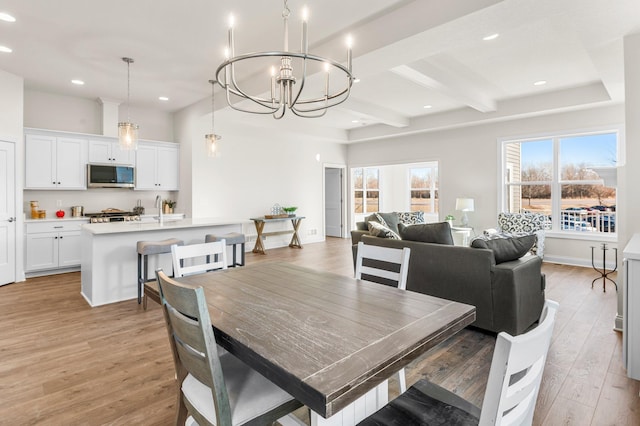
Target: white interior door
333, 202
7, 214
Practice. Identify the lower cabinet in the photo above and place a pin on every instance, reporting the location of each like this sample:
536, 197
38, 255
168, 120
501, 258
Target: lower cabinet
53, 245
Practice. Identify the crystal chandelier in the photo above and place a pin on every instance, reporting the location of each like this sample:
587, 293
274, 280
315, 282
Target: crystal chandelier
127, 131
287, 84
211, 140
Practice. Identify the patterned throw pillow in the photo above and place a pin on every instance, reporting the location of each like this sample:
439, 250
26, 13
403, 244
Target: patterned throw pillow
411, 218
378, 230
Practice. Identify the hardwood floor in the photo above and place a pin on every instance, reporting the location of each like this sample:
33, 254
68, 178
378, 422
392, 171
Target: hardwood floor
64, 363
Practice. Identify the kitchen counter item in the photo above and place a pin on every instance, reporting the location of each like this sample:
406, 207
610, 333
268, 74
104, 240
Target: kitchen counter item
138, 209
77, 211
34, 209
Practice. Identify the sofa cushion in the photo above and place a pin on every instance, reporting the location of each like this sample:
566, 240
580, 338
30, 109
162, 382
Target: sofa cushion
379, 230
410, 218
390, 220
506, 249
438, 233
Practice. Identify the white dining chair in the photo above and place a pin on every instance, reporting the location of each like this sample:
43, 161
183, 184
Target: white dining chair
511, 393
213, 388
198, 258
390, 264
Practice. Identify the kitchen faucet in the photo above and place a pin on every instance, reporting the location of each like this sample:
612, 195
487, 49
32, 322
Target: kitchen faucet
159, 206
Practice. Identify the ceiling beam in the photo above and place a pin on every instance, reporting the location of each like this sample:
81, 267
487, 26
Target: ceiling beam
586, 96
375, 113
449, 77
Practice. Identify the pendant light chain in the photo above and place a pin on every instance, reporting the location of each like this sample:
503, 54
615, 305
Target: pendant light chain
128, 60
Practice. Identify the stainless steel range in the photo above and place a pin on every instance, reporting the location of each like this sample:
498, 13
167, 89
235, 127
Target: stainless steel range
112, 215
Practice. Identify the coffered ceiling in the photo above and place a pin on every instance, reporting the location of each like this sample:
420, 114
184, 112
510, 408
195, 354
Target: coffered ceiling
408, 54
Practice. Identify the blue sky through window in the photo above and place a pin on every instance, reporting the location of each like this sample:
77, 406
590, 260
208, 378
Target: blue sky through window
590, 150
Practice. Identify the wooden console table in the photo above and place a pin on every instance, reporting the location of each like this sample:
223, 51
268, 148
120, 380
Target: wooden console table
261, 221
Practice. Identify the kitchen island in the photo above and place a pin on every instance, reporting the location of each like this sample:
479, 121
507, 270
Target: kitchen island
109, 261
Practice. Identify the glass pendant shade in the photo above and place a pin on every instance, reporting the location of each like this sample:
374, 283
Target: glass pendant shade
128, 136
211, 143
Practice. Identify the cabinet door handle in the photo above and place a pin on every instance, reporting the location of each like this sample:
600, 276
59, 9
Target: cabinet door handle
58, 183
55, 238
58, 227
61, 237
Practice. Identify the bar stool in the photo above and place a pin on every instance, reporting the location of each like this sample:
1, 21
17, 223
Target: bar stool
232, 239
148, 248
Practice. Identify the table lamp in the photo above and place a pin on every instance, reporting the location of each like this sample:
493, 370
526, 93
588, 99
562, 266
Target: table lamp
464, 205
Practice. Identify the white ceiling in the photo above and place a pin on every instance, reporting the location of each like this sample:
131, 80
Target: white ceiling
407, 53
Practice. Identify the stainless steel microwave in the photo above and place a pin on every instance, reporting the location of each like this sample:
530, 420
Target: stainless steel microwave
110, 176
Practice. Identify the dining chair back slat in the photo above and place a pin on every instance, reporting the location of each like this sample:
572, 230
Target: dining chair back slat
199, 258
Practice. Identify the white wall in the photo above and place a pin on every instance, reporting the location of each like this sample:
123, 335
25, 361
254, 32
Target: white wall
469, 163
50, 111
261, 163
11, 124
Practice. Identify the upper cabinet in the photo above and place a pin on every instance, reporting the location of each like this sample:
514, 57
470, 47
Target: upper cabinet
58, 160
157, 166
109, 152
55, 162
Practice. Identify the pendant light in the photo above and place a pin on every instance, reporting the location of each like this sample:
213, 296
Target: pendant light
211, 140
127, 131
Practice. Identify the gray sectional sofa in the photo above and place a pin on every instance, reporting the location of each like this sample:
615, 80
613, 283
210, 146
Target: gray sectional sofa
508, 296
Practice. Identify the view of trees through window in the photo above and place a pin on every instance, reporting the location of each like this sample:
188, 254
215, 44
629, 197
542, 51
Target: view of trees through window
559, 177
366, 184
423, 183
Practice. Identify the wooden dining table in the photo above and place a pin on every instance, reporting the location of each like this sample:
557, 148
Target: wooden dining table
329, 340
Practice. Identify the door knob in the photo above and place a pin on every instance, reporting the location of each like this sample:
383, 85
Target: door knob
11, 219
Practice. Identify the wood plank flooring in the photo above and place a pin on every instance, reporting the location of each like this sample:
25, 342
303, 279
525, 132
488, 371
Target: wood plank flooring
64, 363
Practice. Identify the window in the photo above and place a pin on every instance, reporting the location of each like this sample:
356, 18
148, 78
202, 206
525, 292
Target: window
423, 188
559, 177
366, 190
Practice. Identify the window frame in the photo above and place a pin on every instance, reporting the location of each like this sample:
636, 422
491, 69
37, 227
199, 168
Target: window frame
433, 189
505, 170
364, 189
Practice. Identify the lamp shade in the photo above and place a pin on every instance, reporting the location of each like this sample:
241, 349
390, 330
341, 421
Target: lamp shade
464, 204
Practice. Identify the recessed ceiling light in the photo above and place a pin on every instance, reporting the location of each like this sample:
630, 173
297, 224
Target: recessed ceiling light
491, 37
356, 80
6, 17
78, 82
540, 83
354, 121
5, 49
427, 106
163, 98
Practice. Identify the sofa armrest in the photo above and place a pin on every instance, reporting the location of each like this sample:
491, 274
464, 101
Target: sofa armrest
518, 294
356, 236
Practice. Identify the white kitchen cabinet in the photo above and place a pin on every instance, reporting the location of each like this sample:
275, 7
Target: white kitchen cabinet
54, 162
53, 245
109, 152
157, 166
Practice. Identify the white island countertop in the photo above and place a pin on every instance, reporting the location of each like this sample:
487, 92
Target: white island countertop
126, 227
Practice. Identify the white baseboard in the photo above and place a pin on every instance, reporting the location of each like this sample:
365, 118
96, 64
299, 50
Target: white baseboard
579, 261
